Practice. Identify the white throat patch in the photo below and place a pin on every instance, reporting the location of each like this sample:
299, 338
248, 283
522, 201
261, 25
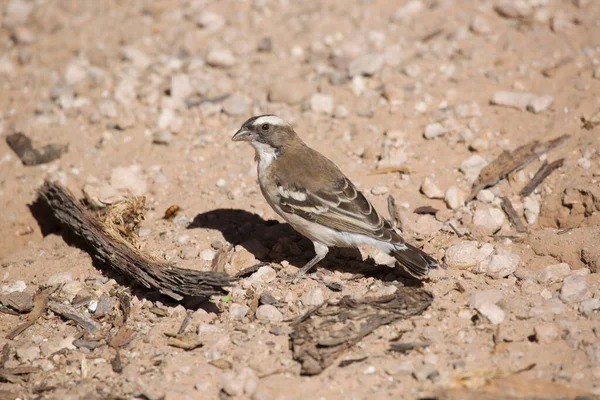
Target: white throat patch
271, 120
265, 154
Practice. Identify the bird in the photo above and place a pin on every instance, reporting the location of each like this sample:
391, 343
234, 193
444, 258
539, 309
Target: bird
313, 195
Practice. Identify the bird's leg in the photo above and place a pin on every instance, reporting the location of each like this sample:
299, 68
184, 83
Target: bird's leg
321, 251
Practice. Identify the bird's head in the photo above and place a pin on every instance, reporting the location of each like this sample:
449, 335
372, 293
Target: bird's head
266, 130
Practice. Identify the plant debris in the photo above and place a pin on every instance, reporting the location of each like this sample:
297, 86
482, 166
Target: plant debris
322, 334
542, 173
29, 155
514, 218
111, 243
40, 302
508, 162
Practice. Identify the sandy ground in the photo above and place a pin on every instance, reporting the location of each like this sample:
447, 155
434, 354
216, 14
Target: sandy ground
148, 94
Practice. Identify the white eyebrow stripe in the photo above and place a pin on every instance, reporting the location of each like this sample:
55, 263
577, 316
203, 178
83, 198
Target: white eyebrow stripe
271, 120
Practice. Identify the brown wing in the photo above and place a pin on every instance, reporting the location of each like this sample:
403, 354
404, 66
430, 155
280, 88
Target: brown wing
339, 206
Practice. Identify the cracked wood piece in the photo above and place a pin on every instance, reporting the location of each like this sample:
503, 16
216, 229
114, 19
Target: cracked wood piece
168, 279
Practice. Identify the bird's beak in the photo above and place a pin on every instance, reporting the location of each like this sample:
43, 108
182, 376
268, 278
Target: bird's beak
243, 135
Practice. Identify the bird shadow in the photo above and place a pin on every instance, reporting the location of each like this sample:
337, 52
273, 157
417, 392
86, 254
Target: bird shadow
272, 241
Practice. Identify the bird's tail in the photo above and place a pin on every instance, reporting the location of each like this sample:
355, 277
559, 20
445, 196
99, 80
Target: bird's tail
413, 260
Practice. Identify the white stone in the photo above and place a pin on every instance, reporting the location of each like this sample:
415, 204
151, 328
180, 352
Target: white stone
491, 296
584, 163
472, 166
313, 297
235, 105
210, 21
589, 306
522, 100
16, 286
539, 104
486, 196
379, 190
242, 381
238, 311
430, 190
574, 289
221, 58
264, 274
28, 354
131, 179
367, 64
60, 278
70, 289
464, 255
321, 103
455, 197
467, 110
489, 218
434, 130
531, 209
207, 254
181, 89
553, 273
267, 312
409, 10
492, 312
501, 264
545, 332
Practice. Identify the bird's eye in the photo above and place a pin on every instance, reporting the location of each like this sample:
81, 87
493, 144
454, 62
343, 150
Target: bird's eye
265, 127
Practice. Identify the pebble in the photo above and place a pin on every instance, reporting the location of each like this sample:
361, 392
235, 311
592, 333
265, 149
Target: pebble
588, 306
408, 11
467, 110
490, 219
130, 178
238, 311
27, 354
207, 254
501, 264
491, 296
267, 312
545, 332
264, 274
139, 59
434, 130
16, 286
584, 163
221, 58
455, 197
466, 254
514, 8
181, 89
70, 289
522, 101
480, 26
379, 190
60, 278
321, 103
210, 21
492, 312
367, 65
20, 301
189, 253
472, 166
553, 273
486, 196
235, 105
242, 258
237, 383
479, 145
16, 12
162, 137
290, 92
314, 297
531, 209
574, 289
430, 190
341, 112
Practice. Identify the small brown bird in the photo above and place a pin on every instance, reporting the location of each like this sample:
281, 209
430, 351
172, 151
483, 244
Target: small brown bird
318, 200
